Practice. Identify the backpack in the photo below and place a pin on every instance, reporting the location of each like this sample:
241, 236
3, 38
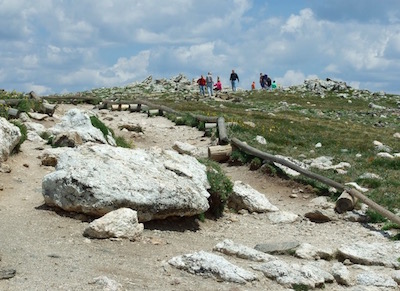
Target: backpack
209, 79
269, 82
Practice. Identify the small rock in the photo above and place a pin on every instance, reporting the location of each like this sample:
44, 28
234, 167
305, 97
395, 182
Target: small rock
277, 247
293, 196
7, 273
319, 216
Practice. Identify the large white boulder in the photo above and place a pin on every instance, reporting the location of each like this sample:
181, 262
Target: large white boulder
10, 135
96, 179
77, 121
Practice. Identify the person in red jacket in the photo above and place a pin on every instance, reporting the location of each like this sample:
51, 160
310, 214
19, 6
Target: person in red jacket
202, 84
218, 85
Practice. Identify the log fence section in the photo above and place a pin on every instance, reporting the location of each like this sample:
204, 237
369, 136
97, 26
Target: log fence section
353, 192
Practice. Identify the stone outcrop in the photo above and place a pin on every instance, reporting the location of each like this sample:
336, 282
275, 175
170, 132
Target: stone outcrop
76, 128
95, 179
10, 136
211, 265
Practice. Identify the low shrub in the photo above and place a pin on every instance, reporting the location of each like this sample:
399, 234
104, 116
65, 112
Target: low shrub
221, 188
24, 132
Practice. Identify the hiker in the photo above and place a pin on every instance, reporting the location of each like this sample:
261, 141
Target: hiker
268, 82
210, 84
253, 85
233, 79
218, 85
262, 83
273, 86
202, 83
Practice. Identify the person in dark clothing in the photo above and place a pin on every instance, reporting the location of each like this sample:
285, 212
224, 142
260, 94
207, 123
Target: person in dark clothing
234, 77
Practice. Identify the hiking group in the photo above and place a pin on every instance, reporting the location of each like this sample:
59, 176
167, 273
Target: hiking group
207, 82
266, 82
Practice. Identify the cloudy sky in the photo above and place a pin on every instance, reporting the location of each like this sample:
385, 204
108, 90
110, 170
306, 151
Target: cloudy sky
75, 45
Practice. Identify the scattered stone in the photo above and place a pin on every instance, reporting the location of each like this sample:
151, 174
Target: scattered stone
291, 275
309, 252
184, 148
364, 253
370, 176
213, 266
261, 139
396, 135
121, 223
245, 197
293, 195
282, 217
318, 145
341, 274
7, 273
107, 283
381, 147
230, 248
249, 123
377, 280
320, 216
357, 187
396, 276
277, 247
385, 155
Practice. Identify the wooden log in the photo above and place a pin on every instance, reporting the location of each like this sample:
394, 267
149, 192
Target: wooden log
257, 153
153, 112
219, 153
222, 133
345, 202
135, 107
33, 95
115, 107
13, 113
212, 119
124, 107
48, 108
209, 125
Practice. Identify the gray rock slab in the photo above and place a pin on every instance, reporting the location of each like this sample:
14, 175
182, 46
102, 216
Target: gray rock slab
231, 248
277, 247
213, 266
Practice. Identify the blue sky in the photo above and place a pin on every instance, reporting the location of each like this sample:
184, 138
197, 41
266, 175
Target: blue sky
70, 45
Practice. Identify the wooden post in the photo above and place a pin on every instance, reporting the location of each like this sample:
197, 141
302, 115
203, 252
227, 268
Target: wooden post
135, 107
210, 125
153, 112
219, 153
13, 113
345, 202
124, 107
48, 108
115, 107
222, 134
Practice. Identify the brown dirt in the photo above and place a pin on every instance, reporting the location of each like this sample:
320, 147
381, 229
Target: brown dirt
49, 252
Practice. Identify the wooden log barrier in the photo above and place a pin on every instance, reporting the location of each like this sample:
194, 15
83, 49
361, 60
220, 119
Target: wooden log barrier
345, 202
48, 108
115, 107
153, 112
222, 133
209, 125
135, 107
219, 153
257, 153
124, 107
13, 113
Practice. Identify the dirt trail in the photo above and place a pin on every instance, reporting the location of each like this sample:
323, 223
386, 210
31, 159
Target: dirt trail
49, 252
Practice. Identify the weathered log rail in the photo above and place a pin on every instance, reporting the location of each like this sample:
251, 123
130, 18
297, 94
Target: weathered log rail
262, 155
